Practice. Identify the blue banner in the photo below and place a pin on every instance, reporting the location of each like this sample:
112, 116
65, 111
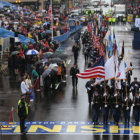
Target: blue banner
65, 36
72, 24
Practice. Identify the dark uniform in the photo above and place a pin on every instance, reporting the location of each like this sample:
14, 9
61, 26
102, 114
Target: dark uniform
90, 89
22, 113
135, 85
116, 104
105, 107
126, 109
136, 107
75, 51
96, 106
123, 90
74, 70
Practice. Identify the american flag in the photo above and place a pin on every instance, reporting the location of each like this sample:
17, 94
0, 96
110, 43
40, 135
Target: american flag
97, 70
96, 41
90, 27
101, 50
50, 11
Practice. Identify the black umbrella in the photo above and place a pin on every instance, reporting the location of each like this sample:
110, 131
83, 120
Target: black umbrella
41, 61
61, 56
46, 73
15, 53
56, 60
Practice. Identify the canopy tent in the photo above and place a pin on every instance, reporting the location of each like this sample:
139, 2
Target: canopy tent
4, 4
5, 33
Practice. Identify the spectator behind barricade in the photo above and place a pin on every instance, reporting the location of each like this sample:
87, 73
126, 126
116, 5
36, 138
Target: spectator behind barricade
45, 66
34, 74
16, 65
30, 87
23, 87
59, 73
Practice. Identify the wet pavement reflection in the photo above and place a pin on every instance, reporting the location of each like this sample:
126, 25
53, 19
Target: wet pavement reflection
67, 103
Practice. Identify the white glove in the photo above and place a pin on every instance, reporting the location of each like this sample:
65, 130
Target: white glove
105, 94
117, 106
127, 108
126, 99
89, 88
133, 104
105, 105
115, 94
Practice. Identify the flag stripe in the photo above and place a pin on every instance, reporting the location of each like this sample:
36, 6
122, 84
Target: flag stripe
95, 68
91, 76
95, 72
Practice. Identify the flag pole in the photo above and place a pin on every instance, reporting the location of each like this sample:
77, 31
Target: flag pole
105, 90
51, 19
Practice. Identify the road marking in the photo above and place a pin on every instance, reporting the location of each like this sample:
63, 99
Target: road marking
68, 61
78, 128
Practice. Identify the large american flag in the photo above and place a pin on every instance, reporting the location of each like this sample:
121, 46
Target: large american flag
97, 70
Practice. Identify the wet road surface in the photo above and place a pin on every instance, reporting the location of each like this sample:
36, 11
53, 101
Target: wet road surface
67, 104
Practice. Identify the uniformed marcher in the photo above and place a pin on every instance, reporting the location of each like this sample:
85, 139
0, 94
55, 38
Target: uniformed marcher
75, 50
96, 106
90, 89
135, 85
117, 103
105, 107
74, 70
136, 107
22, 113
126, 109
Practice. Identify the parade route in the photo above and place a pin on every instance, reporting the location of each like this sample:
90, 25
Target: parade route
71, 128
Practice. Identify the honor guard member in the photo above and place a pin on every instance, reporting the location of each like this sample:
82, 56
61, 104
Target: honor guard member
136, 107
123, 88
135, 85
74, 70
22, 113
105, 107
75, 50
96, 105
117, 102
129, 73
90, 89
126, 109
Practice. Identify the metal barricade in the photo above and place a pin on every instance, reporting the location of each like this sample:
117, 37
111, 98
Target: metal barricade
0, 131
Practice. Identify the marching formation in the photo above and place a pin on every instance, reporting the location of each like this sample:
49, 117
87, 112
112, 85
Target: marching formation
110, 88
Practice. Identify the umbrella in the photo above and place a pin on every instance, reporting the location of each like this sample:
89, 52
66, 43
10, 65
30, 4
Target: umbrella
48, 31
32, 52
61, 56
15, 53
55, 60
59, 51
41, 61
48, 54
53, 66
46, 73
46, 23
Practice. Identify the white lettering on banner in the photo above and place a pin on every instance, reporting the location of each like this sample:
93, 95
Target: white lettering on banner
137, 22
